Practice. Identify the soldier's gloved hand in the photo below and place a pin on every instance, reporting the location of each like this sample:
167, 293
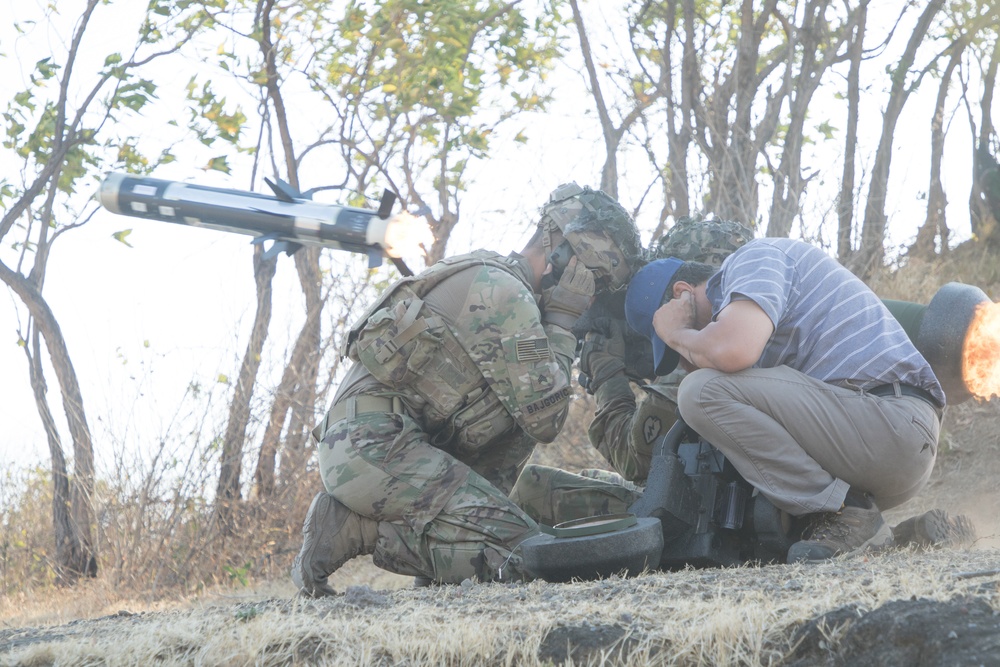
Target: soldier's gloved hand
563, 304
603, 354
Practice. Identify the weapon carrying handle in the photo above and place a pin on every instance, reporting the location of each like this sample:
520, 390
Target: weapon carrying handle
671, 440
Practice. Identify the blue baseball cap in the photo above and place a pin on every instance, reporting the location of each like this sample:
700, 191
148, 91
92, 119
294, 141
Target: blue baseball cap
643, 298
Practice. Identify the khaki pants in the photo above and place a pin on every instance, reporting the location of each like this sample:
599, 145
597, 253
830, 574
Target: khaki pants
803, 442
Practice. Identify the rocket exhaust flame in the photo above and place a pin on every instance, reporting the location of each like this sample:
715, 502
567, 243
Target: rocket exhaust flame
401, 235
981, 353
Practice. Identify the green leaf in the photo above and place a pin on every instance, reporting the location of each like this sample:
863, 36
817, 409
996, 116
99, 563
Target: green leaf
130, 158
134, 96
46, 68
166, 157
23, 99
122, 236
220, 163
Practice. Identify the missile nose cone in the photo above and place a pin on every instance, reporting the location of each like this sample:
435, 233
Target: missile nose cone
108, 193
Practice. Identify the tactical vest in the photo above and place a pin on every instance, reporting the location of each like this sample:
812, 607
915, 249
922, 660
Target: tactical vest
409, 348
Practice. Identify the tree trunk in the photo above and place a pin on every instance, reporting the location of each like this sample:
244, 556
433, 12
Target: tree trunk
845, 203
819, 46
78, 550
732, 145
983, 217
935, 223
681, 141
297, 389
228, 489
304, 412
609, 171
675, 172
612, 135
73, 557
871, 252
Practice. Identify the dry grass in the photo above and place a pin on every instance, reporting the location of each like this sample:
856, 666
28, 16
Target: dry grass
741, 616
918, 280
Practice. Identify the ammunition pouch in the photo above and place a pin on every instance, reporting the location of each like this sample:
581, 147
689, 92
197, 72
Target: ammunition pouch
396, 342
482, 422
408, 348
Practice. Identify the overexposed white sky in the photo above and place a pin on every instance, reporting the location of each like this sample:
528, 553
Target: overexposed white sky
141, 323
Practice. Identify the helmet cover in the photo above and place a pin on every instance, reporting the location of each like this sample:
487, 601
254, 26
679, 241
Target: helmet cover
709, 241
600, 231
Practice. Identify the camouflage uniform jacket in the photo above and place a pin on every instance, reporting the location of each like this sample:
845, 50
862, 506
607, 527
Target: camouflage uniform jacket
497, 373
624, 431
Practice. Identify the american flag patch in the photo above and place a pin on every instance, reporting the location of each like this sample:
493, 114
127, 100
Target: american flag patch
534, 349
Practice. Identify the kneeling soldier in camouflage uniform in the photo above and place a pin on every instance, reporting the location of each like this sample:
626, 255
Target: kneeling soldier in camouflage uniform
623, 431
458, 372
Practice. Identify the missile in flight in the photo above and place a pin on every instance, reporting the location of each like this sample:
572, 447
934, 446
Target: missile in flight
288, 219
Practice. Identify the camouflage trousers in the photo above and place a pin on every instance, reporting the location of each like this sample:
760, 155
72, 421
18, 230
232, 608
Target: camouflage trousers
437, 517
551, 496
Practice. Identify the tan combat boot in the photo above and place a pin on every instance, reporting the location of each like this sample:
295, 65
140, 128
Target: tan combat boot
331, 535
858, 526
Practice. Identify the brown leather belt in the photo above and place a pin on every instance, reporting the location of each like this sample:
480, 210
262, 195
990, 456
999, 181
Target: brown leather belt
905, 390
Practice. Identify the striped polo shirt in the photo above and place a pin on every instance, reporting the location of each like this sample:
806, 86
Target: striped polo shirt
827, 323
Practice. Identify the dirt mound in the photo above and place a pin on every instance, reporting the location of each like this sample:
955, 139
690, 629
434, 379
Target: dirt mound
904, 632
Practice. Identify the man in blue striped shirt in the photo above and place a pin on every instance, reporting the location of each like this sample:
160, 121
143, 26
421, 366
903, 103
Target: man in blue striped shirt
803, 379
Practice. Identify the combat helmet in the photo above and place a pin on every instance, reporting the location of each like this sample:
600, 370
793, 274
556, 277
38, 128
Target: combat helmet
595, 228
696, 239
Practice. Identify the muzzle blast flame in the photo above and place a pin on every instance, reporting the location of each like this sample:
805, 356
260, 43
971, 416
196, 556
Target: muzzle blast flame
941, 331
981, 356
